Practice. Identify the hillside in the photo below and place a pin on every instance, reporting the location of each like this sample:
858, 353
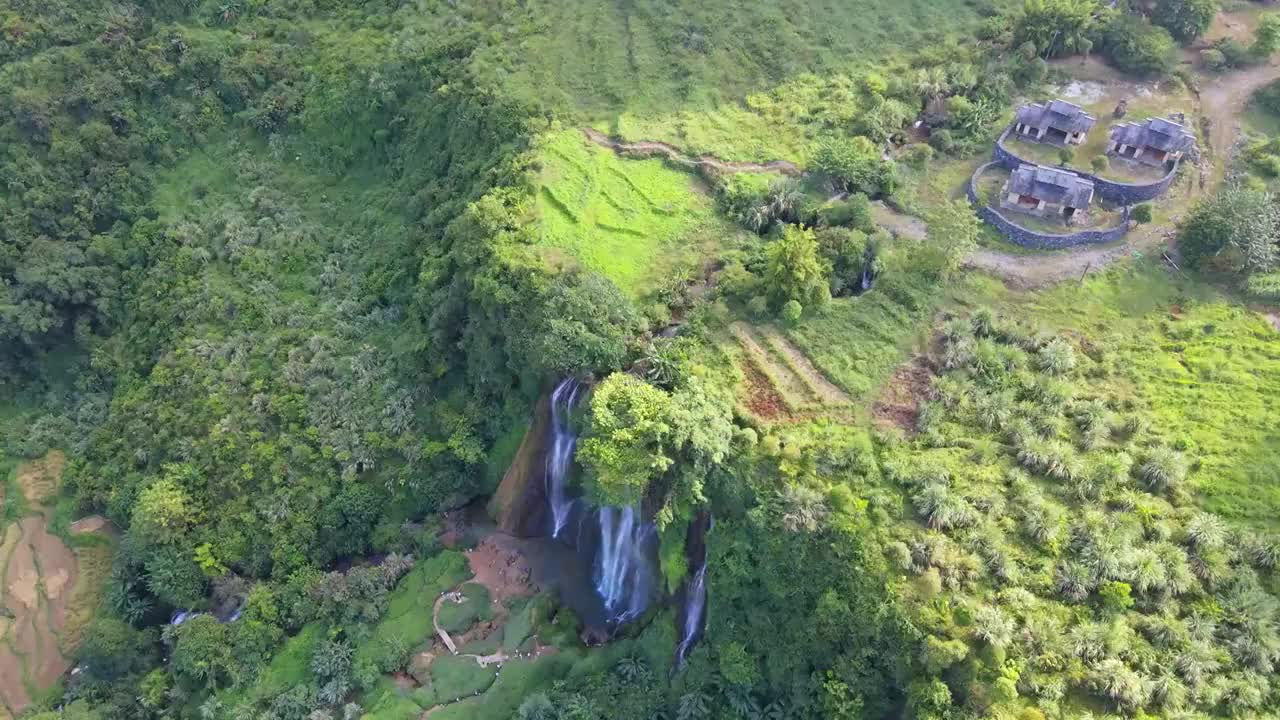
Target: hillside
571, 361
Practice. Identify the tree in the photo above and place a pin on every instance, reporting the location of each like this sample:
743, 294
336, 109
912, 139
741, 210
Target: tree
164, 511
1266, 38
1234, 230
629, 442
953, 235
1057, 27
1141, 213
855, 164
1186, 20
794, 271
202, 654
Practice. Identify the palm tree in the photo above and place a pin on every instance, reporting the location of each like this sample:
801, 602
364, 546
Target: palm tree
693, 706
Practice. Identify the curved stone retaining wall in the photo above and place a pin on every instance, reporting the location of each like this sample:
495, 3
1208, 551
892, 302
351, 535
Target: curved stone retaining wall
1019, 235
1117, 193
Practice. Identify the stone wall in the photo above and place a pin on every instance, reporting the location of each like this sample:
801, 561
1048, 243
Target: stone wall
1117, 193
1019, 235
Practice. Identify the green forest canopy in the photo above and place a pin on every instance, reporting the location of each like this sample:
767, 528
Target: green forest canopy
286, 279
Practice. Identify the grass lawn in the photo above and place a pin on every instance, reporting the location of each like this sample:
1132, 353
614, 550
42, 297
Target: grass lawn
407, 621
633, 221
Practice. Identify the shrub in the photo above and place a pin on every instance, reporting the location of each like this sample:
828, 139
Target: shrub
1185, 19
1057, 357
1136, 46
791, 312
1100, 163
917, 155
1265, 286
1267, 37
1115, 596
1213, 59
942, 140
1234, 54
1162, 469
1141, 213
1235, 228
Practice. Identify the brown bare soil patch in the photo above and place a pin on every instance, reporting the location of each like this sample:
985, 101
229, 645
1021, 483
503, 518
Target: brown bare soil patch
498, 565
899, 404
92, 524
49, 590
761, 399
793, 390
13, 693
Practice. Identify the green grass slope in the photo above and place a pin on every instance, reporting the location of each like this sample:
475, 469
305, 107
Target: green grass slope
633, 221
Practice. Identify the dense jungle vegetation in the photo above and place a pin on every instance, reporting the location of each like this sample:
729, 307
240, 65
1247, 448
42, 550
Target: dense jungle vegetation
286, 279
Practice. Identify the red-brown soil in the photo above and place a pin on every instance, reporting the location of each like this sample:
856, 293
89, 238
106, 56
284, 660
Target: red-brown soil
899, 404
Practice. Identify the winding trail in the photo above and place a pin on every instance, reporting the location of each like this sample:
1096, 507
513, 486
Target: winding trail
648, 148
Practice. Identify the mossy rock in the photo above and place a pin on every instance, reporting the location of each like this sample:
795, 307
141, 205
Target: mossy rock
459, 677
484, 646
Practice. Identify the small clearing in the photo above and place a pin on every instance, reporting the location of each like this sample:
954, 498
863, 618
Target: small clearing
39, 479
899, 403
793, 389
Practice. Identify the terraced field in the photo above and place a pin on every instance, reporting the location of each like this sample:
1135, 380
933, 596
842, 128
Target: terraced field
49, 591
633, 221
781, 381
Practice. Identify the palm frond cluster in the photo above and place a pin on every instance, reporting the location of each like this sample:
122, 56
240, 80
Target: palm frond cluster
1063, 524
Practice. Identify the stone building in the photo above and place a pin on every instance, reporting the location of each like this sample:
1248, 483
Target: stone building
1047, 192
1057, 122
1154, 141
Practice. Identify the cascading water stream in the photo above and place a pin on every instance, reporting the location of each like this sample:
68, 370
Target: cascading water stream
560, 454
692, 619
695, 607
622, 574
622, 569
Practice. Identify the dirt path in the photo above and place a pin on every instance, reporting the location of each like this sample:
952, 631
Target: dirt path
1223, 99
648, 149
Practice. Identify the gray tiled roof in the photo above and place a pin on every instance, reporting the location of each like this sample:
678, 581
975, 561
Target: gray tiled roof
1057, 114
1155, 132
1052, 185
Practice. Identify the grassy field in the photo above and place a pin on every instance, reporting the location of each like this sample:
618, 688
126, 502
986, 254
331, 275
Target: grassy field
633, 221
653, 58
1206, 368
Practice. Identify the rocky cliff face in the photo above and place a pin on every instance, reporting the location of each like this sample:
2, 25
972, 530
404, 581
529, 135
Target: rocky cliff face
520, 504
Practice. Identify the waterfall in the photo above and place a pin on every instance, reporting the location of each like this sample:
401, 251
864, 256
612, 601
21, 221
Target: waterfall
868, 276
560, 454
692, 619
615, 543
622, 574
695, 606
